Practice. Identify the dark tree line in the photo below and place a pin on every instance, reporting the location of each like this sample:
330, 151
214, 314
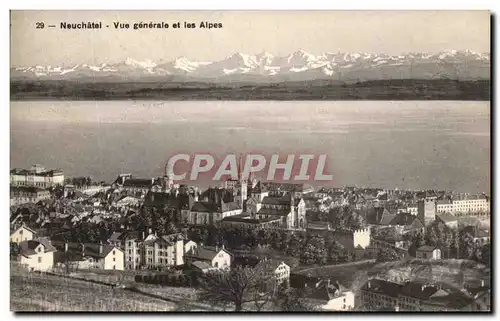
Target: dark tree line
308, 248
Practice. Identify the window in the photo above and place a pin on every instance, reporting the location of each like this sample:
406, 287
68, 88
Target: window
113, 252
114, 267
114, 260
39, 259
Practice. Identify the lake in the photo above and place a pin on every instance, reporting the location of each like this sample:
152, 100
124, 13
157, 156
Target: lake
388, 144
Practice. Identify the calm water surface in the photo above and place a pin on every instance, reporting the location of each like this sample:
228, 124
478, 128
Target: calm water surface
408, 144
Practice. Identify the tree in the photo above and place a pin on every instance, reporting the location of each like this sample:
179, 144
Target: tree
14, 250
418, 241
486, 254
314, 250
292, 300
387, 255
466, 245
229, 286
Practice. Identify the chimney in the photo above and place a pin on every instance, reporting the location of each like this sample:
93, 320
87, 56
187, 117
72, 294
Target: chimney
83, 249
100, 248
150, 231
369, 285
224, 247
65, 247
217, 248
482, 283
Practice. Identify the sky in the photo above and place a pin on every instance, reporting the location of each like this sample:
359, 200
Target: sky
277, 32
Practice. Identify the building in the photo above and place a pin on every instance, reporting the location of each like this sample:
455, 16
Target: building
360, 238
36, 255
329, 296
426, 210
285, 207
134, 250
465, 205
133, 186
153, 251
165, 250
117, 239
480, 236
215, 257
189, 246
22, 234
128, 201
37, 176
298, 189
378, 294
209, 211
428, 253
83, 256
246, 219
406, 223
276, 272
449, 220
412, 209
27, 194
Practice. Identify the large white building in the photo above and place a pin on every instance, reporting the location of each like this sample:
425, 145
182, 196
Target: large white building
463, 206
37, 176
153, 251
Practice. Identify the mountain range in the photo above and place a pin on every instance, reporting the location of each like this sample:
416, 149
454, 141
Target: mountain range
266, 67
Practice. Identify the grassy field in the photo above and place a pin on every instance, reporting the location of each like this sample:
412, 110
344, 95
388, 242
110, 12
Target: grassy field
40, 292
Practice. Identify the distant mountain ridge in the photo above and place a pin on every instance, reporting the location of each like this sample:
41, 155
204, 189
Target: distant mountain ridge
266, 67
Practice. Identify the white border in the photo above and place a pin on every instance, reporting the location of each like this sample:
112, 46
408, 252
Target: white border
190, 5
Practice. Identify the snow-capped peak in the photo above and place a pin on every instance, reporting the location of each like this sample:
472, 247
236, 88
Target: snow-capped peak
297, 64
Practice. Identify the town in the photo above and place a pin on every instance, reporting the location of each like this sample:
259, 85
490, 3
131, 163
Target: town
244, 245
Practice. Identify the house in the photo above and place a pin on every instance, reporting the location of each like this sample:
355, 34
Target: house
449, 220
406, 223
27, 194
189, 246
128, 201
479, 235
21, 234
215, 257
202, 266
277, 272
117, 239
36, 255
329, 296
428, 252
89, 256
